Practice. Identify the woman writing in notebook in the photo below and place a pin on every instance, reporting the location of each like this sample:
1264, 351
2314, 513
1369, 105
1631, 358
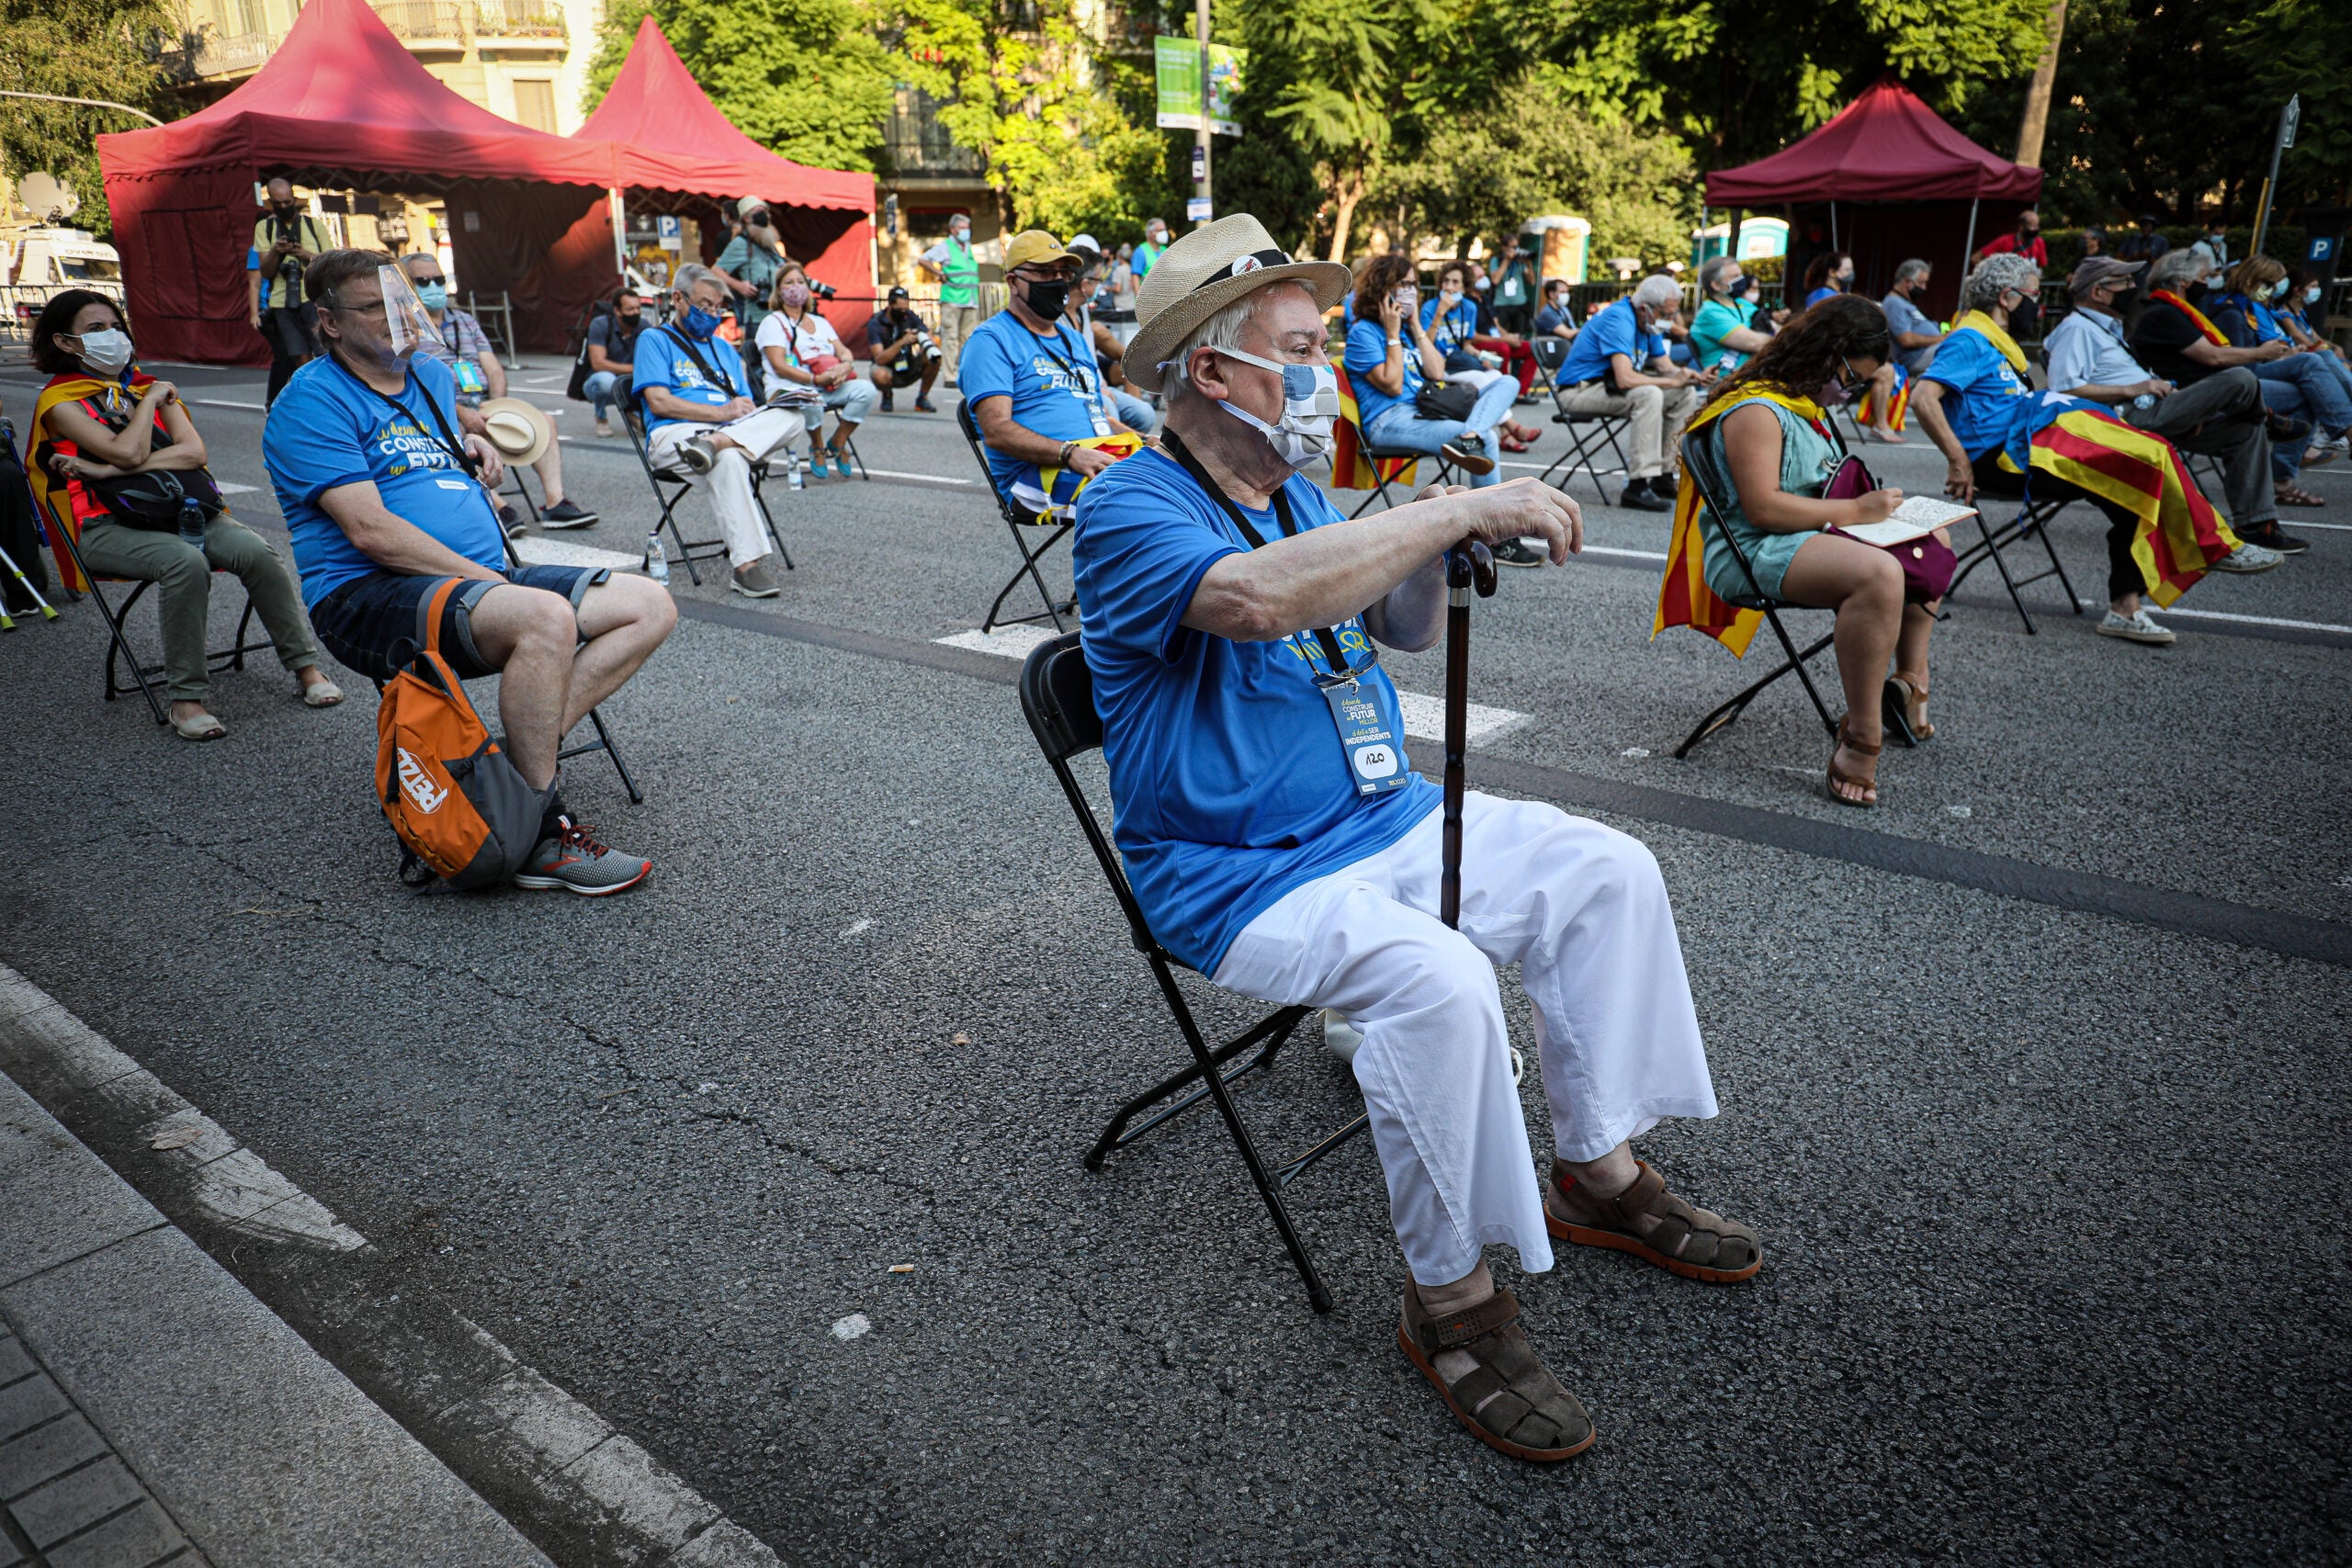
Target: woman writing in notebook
1767, 430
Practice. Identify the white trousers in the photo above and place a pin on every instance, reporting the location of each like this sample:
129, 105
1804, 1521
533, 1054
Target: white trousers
1582, 910
755, 436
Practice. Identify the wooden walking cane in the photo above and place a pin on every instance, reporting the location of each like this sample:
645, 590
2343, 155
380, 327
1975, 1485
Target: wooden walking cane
1466, 565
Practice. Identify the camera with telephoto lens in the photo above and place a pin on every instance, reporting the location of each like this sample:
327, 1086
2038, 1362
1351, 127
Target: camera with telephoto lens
821, 290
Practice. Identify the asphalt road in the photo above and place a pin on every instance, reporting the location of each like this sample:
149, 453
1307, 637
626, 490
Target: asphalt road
2051, 1197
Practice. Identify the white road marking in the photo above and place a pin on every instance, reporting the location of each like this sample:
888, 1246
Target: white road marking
564, 552
2307, 523
1424, 716
2258, 620
923, 478
225, 487
227, 403
1630, 554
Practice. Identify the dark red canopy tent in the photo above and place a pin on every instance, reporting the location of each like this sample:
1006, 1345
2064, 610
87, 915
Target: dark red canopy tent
1887, 180
676, 153
340, 103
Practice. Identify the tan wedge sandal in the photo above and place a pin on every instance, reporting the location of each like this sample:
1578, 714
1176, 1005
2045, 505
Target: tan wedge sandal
1905, 705
1867, 802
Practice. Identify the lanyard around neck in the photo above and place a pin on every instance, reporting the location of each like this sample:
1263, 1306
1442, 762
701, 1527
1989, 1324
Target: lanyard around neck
448, 440
1341, 671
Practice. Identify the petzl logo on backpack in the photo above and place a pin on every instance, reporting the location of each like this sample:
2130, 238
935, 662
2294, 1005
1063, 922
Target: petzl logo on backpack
455, 801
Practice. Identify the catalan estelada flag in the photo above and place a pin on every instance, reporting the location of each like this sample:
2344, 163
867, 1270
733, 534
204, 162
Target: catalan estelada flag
1898, 409
54, 496
2196, 317
2179, 534
1683, 597
1350, 470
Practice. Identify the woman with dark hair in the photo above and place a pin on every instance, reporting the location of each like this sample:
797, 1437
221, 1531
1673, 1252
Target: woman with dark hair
1831, 273
1768, 429
101, 421
1387, 376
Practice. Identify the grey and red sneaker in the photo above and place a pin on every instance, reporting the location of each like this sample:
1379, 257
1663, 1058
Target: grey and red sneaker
573, 858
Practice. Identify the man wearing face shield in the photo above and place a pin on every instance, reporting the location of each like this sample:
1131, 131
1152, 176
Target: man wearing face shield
1034, 386
284, 241
378, 482
1279, 845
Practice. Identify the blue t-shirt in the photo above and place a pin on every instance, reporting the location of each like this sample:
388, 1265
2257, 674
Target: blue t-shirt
329, 428
1616, 331
1368, 350
1052, 381
1988, 398
660, 360
1461, 323
1229, 787
1818, 295
2254, 316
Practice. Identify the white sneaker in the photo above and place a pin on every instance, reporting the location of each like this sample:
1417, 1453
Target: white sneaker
2248, 559
2135, 628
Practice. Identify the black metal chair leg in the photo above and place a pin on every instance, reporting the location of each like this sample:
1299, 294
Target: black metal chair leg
2002, 567
1299, 1167
1318, 1295
1270, 1034
1029, 559
603, 742
1725, 715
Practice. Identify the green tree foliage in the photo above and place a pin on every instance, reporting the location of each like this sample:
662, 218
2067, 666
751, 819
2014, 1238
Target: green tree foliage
1484, 170
82, 49
2306, 46
804, 78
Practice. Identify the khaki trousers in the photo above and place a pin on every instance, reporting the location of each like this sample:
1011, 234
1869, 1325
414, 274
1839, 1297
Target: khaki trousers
183, 579
956, 322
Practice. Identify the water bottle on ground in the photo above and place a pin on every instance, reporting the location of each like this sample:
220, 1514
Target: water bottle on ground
792, 470
192, 522
657, 558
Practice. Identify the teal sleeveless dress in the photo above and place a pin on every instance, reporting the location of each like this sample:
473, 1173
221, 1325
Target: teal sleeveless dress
1807, 460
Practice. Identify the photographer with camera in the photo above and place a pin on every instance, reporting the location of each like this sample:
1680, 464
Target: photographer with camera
285, 241
902, 350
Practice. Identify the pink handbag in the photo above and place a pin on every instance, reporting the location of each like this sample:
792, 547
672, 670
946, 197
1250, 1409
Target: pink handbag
1926, 562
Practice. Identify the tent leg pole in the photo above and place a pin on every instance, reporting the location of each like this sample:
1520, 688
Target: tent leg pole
620, 234
1969, 249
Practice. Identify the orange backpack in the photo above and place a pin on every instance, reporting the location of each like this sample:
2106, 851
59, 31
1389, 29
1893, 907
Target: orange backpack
456, 802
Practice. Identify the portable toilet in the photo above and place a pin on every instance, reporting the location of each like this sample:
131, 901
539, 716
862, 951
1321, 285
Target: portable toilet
1562, 246
1757, 237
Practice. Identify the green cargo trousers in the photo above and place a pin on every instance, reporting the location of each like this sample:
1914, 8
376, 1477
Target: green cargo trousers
183, 580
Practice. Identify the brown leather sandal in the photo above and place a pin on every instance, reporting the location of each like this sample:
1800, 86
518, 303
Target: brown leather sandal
1904, 701
1845, 738
1508, 1398
1690, 1242
2294, 495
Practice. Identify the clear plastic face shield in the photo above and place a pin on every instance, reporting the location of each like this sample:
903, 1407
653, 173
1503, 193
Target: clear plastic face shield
411, 325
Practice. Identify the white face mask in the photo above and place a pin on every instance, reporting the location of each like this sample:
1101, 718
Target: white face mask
2311, 295
1310, 403
105, 351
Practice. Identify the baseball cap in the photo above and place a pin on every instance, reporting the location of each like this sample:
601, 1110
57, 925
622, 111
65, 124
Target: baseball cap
899, 292
1034, 247
2096, 270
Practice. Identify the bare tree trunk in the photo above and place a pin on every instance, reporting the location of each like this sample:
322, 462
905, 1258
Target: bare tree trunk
2036, 123
1351, 191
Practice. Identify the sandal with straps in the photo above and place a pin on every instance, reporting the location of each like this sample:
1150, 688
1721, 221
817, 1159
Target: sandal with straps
1866, 802
1690, 1242
1508, 1398
1903, 701
2294, 495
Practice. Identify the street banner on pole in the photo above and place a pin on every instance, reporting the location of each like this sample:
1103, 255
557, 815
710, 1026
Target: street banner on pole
1178, 69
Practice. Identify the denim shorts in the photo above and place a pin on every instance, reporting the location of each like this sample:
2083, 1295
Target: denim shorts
374, 624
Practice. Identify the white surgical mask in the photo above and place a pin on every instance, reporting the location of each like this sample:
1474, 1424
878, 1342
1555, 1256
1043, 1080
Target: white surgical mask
106, 350
1310, 403
2311, 295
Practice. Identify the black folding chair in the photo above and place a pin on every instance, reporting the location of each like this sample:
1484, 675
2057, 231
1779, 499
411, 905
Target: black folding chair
1587, 435
1058, 695
122, 656
2033, 521
671, 487
604, 741
1388, 464
1018, 518
1714, 484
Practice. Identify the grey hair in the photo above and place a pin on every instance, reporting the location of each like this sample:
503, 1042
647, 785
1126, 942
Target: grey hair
1712, 271
1997, 275
1911, 269
1657, 289
1222, 330
2176, 267
692, 273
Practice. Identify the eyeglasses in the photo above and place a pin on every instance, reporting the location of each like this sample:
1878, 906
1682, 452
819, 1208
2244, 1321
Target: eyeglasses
428, 282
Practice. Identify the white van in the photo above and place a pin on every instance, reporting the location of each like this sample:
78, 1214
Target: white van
38, 263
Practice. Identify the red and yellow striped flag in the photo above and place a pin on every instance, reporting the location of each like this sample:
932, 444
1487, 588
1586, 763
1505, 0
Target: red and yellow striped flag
1683, 597
1898, 406
1350, 470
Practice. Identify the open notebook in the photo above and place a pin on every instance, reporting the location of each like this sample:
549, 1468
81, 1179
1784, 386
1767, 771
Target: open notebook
1919, 514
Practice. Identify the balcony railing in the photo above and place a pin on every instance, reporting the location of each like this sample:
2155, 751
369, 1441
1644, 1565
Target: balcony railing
521, 19
210, 56
412, 19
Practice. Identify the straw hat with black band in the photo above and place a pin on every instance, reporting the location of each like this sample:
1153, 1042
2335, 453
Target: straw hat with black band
1207, 270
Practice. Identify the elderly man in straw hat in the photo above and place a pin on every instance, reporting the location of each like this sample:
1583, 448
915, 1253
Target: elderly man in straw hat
1278, 850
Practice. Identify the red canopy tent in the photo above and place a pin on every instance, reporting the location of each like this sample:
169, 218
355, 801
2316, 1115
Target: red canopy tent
340, 103
1888, 179
676, 153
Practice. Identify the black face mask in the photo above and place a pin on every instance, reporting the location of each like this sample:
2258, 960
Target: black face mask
1047, 299
2024, 316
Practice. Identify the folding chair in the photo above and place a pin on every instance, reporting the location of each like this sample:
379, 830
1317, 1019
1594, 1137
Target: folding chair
1586, 434
604, 741
1016, 518
1058, 695
1353, 453
670, 488
2032, 520
120, 655
1699, 464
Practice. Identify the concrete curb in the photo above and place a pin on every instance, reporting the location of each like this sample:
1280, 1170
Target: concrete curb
558, 1472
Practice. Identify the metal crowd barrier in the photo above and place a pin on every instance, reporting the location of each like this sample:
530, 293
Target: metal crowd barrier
20, 304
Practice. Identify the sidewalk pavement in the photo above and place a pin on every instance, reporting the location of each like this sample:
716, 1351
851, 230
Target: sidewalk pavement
152, 1411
